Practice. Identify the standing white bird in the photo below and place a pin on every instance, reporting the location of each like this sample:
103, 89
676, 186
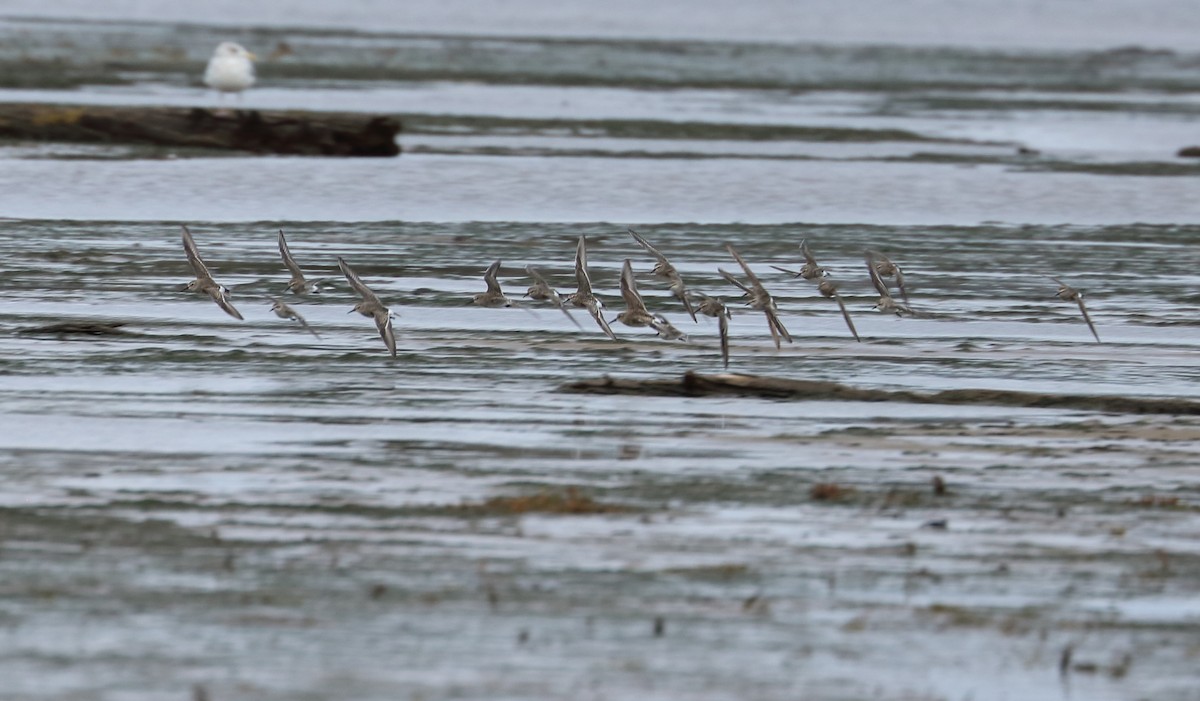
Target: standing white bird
231, 68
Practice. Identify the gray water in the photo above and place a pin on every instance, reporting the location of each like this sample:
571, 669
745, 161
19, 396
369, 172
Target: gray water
198, 505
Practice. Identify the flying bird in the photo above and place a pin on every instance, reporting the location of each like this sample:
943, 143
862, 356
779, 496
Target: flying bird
886, 268
582, 296
757, 297
664, 269
1070, 294
298, 284
493, 297
711, 306
541, 291
285, 311
204, 283
636, 314
231, 68
371, 306
886, 302
811, 270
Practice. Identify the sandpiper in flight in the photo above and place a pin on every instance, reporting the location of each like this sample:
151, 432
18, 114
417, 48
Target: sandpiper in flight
636, 314
811, 270
284, 311
1069, 294
886, 268
298, 284
583, 297
541, 291
493, 297
371, 306
664, 269
886, 303
757, 297
204, 283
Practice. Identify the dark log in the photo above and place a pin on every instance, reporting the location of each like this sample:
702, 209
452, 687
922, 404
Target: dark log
696, 385
254, 131
1189, 152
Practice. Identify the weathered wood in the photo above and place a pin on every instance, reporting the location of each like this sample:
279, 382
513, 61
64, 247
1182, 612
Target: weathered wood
696, 385
254, 131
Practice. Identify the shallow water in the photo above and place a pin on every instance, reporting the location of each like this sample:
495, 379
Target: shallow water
265, 514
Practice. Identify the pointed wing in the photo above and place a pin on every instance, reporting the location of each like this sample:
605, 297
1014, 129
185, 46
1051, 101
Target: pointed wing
681, 292
581, 274
489, 276
629, 290
777, 328
808, 256
1088, 319
846, 315
593, 308
651, 249
357, 283
383, 322
723, 326
793, 273
288, 261
539, 280
221, 297
754, 281
193, 256
734, 281
900, 282
666, 329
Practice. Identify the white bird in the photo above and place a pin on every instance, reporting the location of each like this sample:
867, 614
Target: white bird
231, 68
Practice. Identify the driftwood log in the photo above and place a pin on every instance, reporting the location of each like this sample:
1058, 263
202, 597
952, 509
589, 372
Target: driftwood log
696, 385
255, 131
1189, 152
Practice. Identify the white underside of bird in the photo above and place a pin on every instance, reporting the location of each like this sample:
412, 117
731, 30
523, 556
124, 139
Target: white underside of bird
231, 69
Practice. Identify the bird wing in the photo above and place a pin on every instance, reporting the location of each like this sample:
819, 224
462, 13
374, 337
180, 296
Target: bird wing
877, 281
288, 261
383, 322
754, 281
651, 249
593, 307
629, 291
723, 326
681, 292
193, 256
539, 280
489, 276
666, 329
357, 283
1088, 319
900, 282
221, 297
581, 274
808, 256
793, 273
777, 328
846, 315
734, 281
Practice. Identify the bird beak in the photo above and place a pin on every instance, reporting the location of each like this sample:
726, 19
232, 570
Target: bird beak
251, 55
184, 288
